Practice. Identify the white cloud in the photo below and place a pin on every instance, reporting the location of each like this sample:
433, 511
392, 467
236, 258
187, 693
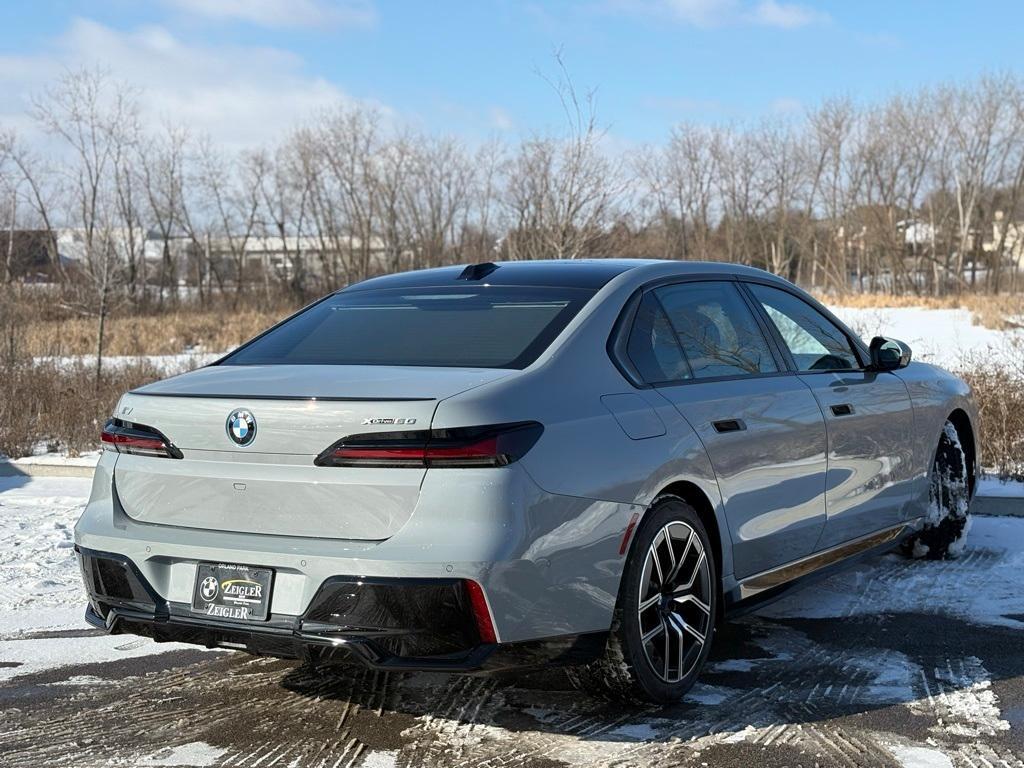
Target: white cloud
501, 119
786, 105
238, 95
282, 13
785, 15
721, 13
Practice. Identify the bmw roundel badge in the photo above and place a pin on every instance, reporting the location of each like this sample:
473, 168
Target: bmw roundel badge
241, 427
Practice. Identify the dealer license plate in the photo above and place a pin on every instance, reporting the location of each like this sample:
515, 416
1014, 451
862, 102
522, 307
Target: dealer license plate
233, 592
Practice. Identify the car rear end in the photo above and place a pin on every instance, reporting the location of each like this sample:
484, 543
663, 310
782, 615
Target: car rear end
299, 499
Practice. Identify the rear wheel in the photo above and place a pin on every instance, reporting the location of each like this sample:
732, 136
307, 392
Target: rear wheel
665, 616
947, 521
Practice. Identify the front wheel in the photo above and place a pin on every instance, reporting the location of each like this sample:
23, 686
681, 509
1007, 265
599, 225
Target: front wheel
665, 615
947, 521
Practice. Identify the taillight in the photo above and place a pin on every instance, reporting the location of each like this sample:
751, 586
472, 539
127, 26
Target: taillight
137, 439
491, 446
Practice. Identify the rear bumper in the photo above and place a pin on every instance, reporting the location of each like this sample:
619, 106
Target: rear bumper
548, 565
394, 624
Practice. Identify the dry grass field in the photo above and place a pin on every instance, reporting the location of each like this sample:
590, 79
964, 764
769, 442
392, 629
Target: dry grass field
169, 333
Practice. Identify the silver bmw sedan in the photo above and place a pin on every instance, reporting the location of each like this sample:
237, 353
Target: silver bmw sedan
470, 469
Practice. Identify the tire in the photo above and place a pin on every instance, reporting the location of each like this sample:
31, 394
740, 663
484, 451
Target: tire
636, 670
947, 521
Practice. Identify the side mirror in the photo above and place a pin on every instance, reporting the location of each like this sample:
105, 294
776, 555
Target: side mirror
888, 354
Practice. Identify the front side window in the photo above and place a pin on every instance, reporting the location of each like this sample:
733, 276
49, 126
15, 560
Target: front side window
814, 341
465, 327
716, 330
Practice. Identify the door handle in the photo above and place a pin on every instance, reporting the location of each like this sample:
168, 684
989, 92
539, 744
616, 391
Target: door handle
729, 425
843, 409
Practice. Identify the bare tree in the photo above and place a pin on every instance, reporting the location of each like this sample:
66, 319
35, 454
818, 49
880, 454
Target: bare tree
162, 160
94, 118
681, 180
233, 191
561, 191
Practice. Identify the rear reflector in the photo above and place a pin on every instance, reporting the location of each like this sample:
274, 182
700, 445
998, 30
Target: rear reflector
138, 439
629, 533
482, 614
491, 446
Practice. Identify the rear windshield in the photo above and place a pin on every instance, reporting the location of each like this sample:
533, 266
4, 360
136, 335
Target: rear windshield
466, 327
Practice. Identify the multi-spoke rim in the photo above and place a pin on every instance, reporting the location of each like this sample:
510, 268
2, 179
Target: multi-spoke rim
675, 602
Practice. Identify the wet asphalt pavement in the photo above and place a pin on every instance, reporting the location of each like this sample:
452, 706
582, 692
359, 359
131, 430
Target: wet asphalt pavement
865, 688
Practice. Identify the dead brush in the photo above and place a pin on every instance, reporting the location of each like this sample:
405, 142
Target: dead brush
165, 334
59, 407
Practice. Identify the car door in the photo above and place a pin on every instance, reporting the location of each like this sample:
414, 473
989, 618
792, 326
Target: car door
868, 418
701, 346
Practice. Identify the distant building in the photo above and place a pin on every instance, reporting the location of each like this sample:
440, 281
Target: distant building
1011, 235
916, 232
279, 256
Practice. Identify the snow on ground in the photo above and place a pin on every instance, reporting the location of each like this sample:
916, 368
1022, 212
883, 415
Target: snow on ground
945, 337
41, 597
167, 365
986, 578
994, 488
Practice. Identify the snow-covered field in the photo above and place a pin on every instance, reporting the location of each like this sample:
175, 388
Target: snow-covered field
946, 337
894, 662
166, 365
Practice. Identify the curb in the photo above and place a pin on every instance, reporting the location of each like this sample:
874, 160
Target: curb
13, 469
998, 506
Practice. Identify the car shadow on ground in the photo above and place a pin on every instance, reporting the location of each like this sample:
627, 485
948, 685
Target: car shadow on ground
12, 477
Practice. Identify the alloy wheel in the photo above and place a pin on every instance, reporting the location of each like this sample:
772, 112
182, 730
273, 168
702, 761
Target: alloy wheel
675, 602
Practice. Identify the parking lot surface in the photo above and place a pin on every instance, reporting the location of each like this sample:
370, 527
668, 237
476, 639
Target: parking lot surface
892, 663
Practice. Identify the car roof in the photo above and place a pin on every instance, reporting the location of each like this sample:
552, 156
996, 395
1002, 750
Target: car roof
565, 273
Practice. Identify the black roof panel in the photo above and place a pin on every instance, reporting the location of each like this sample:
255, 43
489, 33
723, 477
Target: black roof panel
579, 273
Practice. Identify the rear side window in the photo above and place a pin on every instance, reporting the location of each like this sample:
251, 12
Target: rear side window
716, 330
652, 346
465, 327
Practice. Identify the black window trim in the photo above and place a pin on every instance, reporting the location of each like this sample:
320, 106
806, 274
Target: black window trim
855, 343
619, 337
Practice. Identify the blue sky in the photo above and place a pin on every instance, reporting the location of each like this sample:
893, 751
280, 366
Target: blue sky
245, 71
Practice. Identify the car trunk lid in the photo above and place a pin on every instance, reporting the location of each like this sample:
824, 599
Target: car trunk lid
271, 485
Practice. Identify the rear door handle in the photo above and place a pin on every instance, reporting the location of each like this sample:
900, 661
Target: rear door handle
843, 409
729, 425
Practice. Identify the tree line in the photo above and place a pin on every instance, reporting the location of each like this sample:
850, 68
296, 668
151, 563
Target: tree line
918, 193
